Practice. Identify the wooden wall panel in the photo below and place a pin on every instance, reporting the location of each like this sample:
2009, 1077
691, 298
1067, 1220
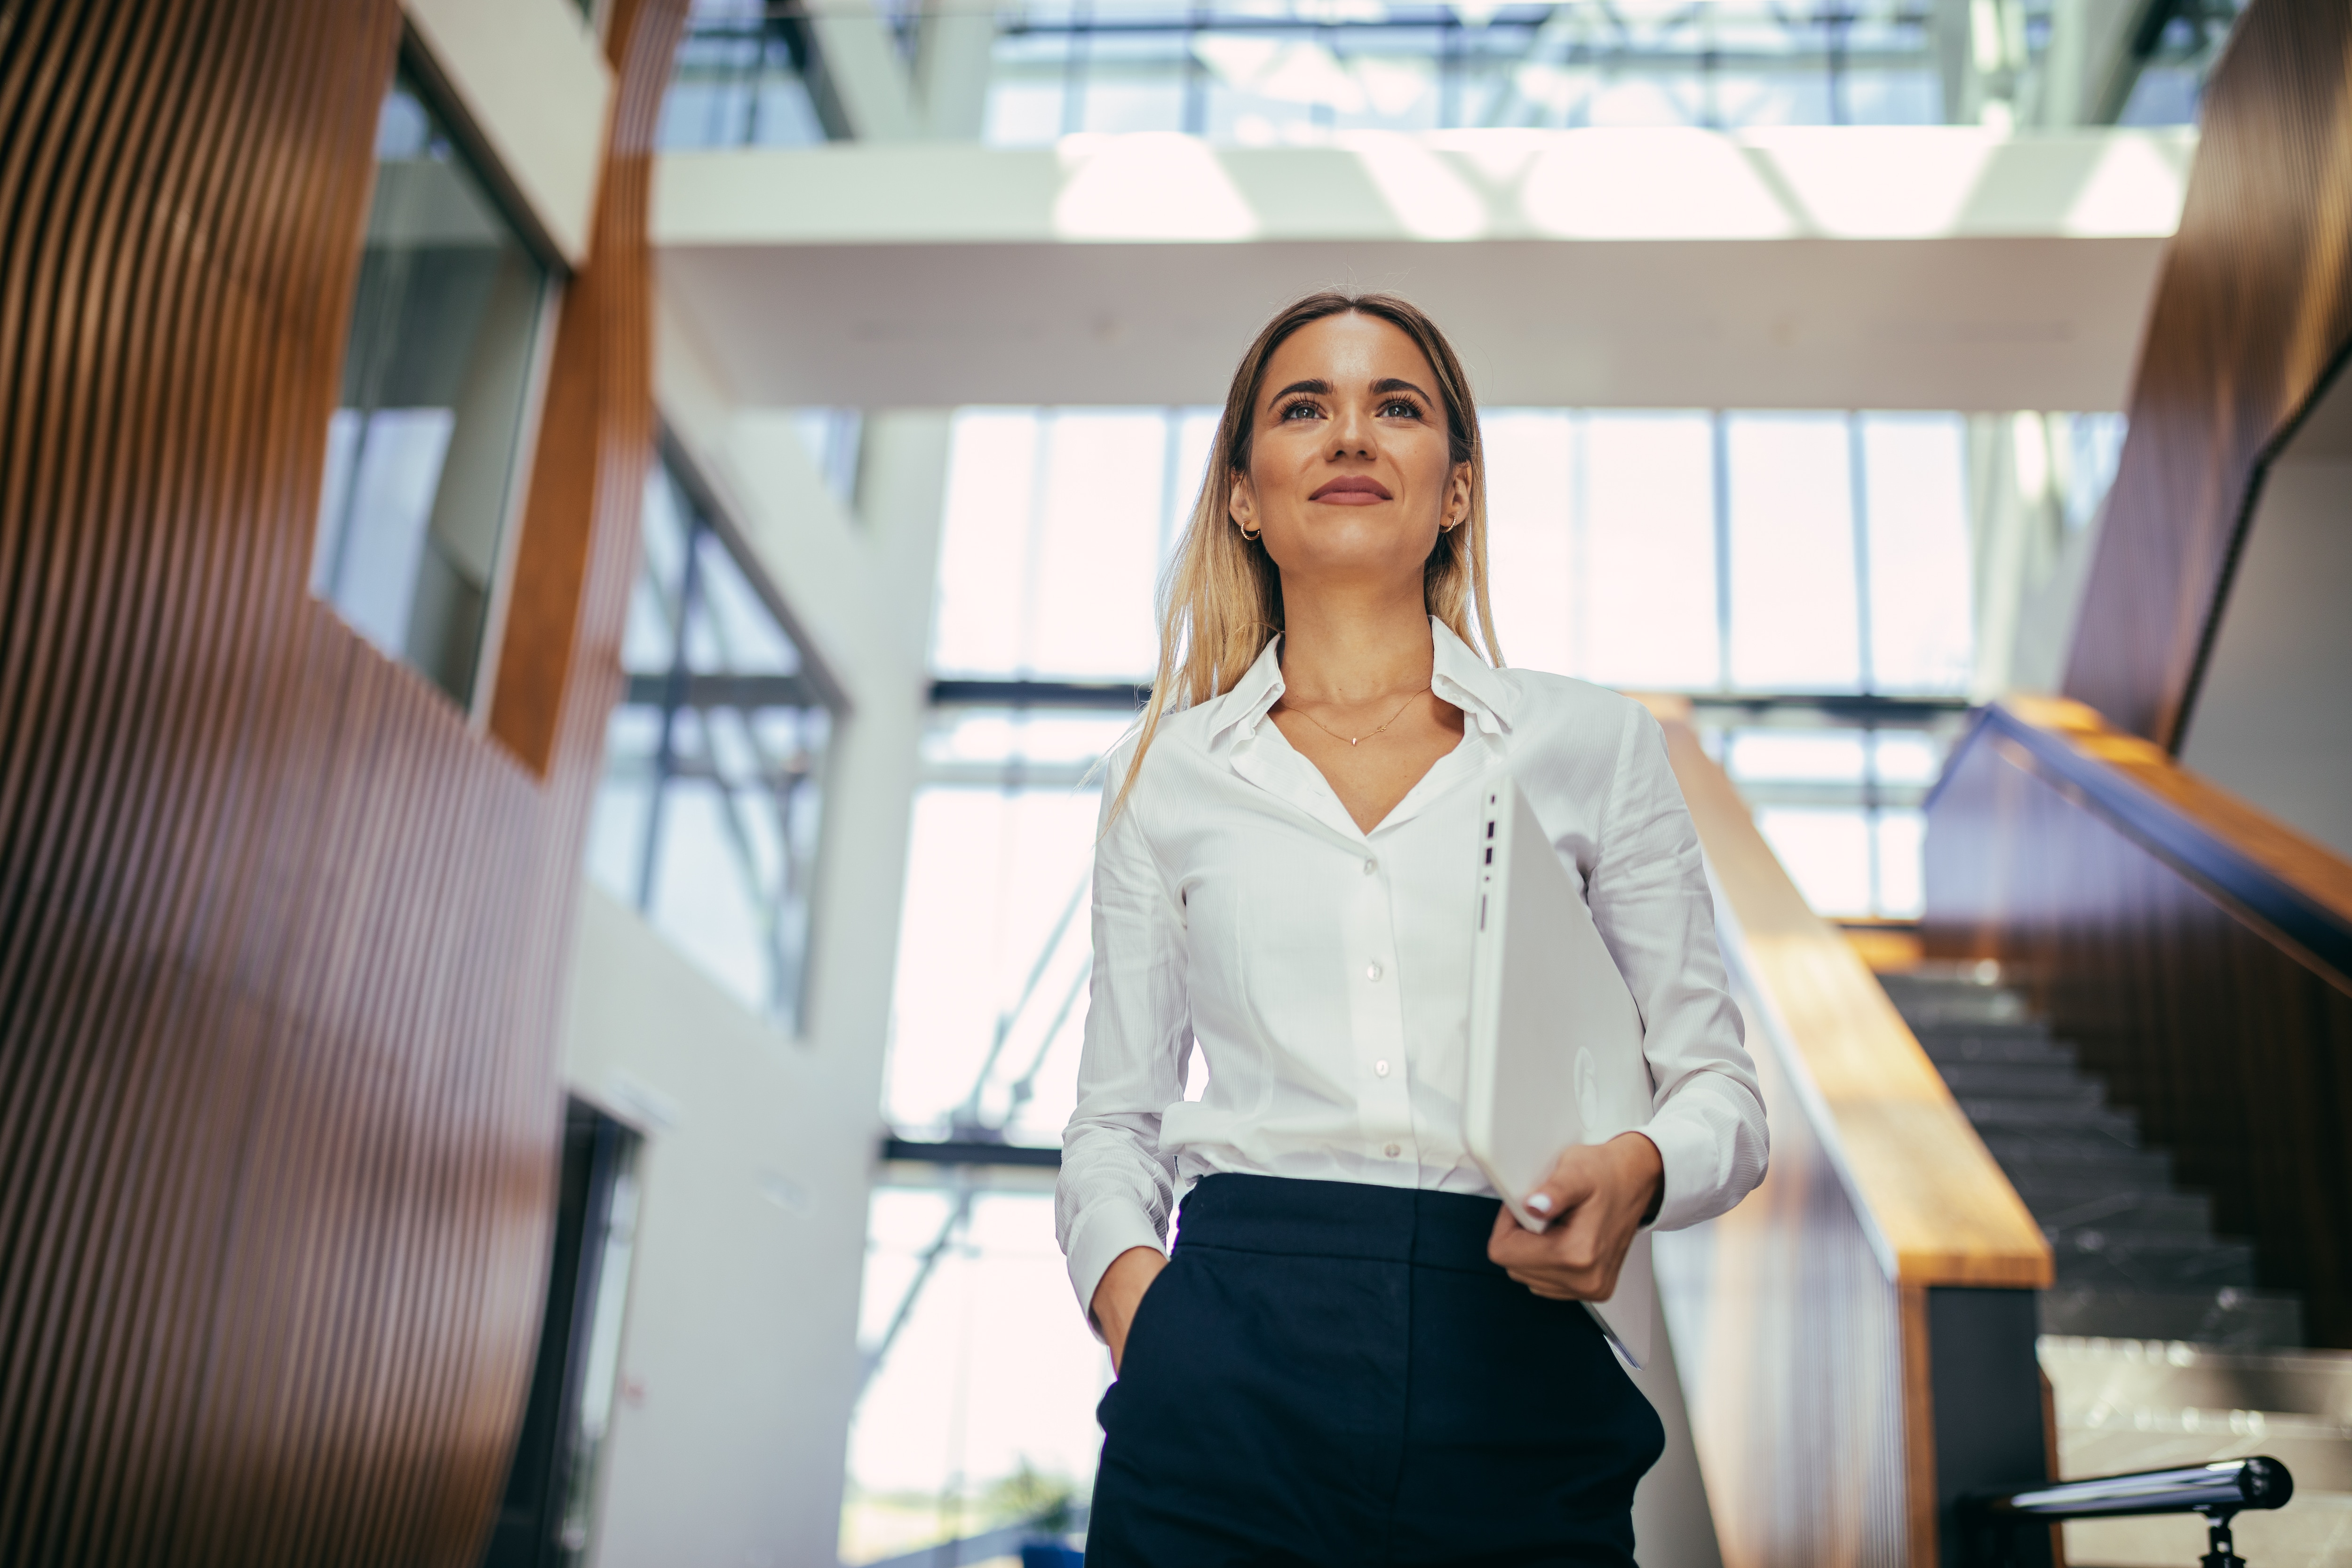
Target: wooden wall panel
280, 942
2253, 308
2233, 1046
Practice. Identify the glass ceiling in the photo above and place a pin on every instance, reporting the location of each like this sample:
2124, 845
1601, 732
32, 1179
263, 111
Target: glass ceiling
1272, 72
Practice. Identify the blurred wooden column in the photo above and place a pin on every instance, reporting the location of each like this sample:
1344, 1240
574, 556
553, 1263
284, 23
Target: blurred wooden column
280, 942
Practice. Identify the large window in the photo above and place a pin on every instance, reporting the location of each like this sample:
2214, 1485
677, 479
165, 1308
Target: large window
423, 453
706, 818
1805, 576
1306, 70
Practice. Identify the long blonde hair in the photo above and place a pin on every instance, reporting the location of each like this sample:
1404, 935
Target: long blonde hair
1221, 601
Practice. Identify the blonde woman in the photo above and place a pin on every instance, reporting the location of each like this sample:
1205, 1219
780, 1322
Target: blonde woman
1355, 1357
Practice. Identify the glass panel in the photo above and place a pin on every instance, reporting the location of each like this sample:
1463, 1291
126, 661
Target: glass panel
740, 80
706, 818
1793, 609
1830, 755
1097, 546
1901, 891
1266, 72
983, 1412
436, 368
1055, 527
1906, 757
1531, 478
1827, 852
994, 954
983, 547
1922, 629
1646, 590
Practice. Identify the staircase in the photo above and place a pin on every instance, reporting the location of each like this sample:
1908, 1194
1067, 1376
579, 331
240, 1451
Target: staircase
2159, 1346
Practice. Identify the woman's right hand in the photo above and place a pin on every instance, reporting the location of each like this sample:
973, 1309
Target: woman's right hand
1120, 1292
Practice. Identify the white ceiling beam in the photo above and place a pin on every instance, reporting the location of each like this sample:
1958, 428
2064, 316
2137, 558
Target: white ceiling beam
1849, 267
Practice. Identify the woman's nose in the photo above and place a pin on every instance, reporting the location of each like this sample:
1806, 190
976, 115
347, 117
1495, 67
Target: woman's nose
1351, 434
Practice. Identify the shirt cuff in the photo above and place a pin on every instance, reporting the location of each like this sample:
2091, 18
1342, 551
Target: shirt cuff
1104, 1230
1692, 1156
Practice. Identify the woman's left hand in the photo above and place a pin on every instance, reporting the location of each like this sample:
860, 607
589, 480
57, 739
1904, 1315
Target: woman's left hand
1601, 1193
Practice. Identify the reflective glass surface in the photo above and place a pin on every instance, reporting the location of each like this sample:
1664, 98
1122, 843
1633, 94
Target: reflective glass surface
741, 79
1605, 528
422, 451
706, 817
982, 1414
1272, 71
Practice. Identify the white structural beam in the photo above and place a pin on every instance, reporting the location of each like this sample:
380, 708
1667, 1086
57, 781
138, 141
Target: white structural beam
1918, 267
861, 69
530, 78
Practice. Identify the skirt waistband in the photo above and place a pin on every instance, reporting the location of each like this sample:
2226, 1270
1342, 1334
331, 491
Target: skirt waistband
1340, 1219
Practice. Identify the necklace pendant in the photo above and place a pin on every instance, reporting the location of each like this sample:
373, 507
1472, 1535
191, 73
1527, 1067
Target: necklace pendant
1353, 738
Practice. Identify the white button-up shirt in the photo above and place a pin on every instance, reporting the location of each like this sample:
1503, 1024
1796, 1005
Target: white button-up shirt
1324, 972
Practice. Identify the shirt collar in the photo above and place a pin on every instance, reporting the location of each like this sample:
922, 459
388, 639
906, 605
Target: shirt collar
1258, 689
1469, 683
1456, 675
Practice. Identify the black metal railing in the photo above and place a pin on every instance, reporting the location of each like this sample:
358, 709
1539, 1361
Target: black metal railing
2220, 1491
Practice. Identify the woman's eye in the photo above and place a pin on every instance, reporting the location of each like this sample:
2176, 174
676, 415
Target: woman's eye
1301, 410
1400, 408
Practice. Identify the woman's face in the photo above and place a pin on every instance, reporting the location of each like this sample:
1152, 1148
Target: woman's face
1349, 473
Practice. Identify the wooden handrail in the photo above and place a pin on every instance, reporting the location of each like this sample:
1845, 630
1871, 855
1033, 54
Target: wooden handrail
1938, 1208
2295, 886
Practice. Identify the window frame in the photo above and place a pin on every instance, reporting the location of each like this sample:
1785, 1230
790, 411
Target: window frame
414, 61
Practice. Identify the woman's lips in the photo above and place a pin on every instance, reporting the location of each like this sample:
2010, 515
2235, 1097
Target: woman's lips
1353, 490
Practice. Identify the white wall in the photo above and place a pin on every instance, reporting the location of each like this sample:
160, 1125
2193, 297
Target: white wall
2274, 717
736, 1368
742, 1320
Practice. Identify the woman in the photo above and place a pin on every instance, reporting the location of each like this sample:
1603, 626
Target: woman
1356, 1356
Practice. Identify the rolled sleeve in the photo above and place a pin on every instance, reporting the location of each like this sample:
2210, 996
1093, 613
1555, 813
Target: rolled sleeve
1116, 1190
1650, 899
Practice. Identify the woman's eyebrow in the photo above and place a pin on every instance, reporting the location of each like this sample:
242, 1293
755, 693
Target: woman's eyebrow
1314, 388
1398, 384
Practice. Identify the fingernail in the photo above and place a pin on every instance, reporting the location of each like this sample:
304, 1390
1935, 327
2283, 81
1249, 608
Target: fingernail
1541, 1202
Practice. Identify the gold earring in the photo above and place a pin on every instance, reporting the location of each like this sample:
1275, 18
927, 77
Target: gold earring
1250, 532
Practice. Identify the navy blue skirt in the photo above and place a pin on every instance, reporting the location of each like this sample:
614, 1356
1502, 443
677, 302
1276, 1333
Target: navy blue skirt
1334, 1374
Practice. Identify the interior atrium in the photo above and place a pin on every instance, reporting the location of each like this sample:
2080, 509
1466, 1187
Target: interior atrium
571, 572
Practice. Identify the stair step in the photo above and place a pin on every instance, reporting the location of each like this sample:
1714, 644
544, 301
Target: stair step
2170, 1374
2128, 1404
2082, 1114
2057, 1078
2025, 1154
2158, 1261
2231, 1318
2133, 1257
2069, 1200
1979, 1006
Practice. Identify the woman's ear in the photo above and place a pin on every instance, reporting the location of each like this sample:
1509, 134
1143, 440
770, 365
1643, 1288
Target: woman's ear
1241, 503
1457, 498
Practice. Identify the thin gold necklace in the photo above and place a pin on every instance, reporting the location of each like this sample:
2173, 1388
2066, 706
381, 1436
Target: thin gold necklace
1354, 739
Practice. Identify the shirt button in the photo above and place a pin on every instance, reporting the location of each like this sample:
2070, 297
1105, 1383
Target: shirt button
1390, 1150
1371, 971
1382, 1069
1370, 867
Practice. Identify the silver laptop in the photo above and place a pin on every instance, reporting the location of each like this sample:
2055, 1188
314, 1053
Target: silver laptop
1555, 1039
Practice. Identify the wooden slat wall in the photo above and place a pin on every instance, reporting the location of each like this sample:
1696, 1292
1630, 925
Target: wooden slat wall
280, 940
1801, 1317
2234, 1045
2254, 305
